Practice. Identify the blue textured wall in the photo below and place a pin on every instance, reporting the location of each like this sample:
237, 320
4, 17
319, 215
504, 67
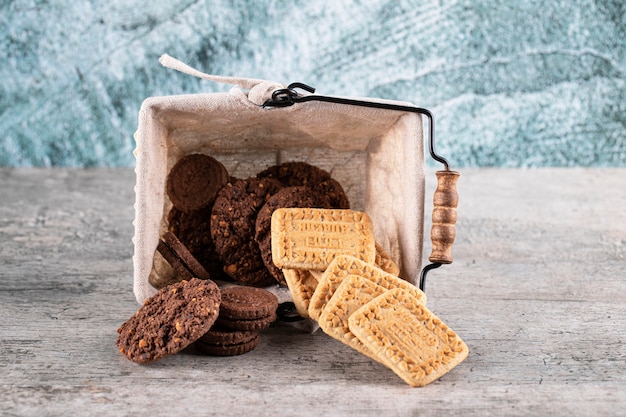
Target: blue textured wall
511, 83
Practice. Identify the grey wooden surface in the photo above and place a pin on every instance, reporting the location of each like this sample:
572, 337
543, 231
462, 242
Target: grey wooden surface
537, 290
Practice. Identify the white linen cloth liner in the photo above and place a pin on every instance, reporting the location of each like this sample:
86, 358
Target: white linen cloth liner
170, 127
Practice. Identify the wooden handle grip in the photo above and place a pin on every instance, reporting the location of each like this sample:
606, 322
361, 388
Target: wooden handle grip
443, 231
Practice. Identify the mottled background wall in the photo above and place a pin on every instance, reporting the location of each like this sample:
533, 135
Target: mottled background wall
511, 82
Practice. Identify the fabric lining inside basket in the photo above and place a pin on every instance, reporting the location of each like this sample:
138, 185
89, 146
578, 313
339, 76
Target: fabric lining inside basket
376, 154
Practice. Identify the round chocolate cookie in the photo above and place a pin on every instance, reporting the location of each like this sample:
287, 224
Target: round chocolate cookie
162, 274
301, 173
242, 302
233, 219
246, 308
335, 193
180, 258
300, 196
295, 173
223, 337
230, 349
193, 182
169, 321
194, 231
246, 325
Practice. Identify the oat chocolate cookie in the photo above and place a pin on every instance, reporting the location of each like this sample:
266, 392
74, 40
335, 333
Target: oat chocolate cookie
179, 257
301, 173
299, 196
302, 284
169, 321
194, 231
233, 219
295, 173
193, 182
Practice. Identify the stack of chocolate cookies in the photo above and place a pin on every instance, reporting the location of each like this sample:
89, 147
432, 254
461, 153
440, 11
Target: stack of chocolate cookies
244, 312
220, 322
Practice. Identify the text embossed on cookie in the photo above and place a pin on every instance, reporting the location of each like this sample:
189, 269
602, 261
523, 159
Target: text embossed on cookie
308, 238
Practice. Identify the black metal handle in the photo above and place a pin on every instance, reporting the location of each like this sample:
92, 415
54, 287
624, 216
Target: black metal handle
288, 96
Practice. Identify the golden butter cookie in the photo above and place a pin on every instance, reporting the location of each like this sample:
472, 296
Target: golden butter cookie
407, 337
383, 261
345, 265
353, 293
310, 238
287, 197
302, 284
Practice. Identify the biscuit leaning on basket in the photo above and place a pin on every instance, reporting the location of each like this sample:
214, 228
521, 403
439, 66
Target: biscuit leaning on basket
354, 292
301, 284
407, 337
345, 265
383, 260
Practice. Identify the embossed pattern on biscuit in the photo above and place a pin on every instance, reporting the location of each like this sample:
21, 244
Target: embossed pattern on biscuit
307, 238
301, 284
407, 337
345, 265
353, 293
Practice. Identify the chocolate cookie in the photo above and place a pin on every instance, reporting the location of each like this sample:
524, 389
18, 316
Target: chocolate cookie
335, 193
169, 321
295, 173
194, 231
223, 337
301, 173
300, 196
179, 257
242, 302
247, 308
162, 274
233, 219
230, 349
193, 182
247, 325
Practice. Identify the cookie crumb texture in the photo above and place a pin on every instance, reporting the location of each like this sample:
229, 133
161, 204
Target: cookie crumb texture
170, 320
233, 219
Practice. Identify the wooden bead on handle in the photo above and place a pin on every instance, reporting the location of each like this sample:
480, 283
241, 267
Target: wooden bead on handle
443, 232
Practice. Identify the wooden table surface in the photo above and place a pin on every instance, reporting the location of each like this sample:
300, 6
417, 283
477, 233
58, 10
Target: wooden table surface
537, 290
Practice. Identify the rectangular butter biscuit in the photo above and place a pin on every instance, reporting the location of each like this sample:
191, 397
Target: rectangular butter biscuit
309, 238
345, 265
383, 261
353, 293
301, 284
407, 337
